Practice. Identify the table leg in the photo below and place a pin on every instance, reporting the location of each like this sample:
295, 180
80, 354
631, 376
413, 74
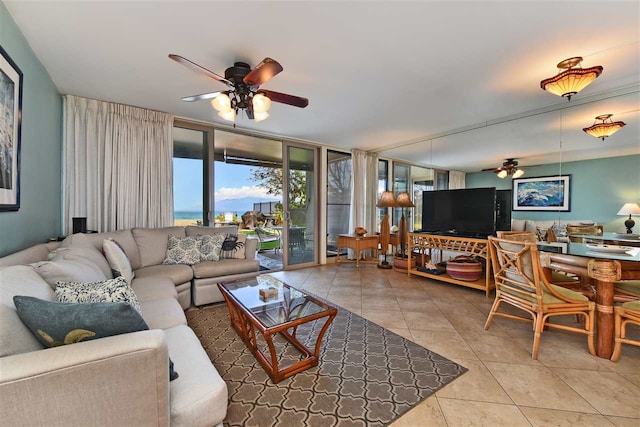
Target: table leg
604, 319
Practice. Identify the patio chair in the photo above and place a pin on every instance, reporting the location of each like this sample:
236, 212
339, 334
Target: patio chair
268, 240
520, 282
629, 312
296, 239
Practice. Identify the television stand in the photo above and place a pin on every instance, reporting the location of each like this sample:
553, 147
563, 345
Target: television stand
432, 246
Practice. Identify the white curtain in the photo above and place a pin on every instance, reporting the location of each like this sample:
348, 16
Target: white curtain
457, 180
117, 165
364, 190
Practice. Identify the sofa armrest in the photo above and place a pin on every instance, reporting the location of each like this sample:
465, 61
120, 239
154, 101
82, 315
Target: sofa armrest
250, 248
119, 380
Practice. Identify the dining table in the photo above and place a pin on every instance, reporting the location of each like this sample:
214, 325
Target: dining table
603, 264
620, 239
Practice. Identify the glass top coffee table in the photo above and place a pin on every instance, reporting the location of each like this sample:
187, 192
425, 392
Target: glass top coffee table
269, 306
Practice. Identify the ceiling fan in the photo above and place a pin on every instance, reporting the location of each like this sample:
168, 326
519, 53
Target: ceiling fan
244, 91
509, 167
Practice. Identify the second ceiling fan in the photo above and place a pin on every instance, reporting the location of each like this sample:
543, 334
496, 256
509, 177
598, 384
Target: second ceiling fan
509, 167
244, 91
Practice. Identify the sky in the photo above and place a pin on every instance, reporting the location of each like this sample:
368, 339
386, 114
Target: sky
231, 184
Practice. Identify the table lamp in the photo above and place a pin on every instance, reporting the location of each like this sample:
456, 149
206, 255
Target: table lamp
387, 200
629, 209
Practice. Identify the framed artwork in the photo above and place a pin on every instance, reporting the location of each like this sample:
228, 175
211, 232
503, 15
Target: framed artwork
10, 132
543, 193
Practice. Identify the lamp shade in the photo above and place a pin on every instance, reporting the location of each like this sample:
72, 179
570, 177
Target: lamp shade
503, 173
258, 117
629, 209
517, 173
387, 200
228, 115
404, 201
571, 81
261, 103
605, 128
221, 102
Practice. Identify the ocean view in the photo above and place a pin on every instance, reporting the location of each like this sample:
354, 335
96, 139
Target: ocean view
188, 215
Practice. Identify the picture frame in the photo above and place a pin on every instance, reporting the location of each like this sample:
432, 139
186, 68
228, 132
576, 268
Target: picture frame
543, 193
10, 132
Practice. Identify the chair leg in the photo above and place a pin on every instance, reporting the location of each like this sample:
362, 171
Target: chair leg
618, 338
492, 313
590, 320
537, 333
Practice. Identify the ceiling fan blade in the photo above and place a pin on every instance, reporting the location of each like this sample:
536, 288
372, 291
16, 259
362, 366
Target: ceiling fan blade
209, 95
249, 113
198, 69
263, 72
492, 169
283, 98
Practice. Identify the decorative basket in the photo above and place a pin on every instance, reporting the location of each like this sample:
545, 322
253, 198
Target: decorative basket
464, 267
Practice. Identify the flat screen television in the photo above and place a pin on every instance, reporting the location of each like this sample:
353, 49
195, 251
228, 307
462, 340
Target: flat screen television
467, 212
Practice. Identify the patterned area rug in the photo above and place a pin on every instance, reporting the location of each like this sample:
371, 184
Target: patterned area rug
367, 376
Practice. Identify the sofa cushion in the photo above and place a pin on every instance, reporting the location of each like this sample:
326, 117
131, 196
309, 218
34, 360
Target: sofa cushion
183, 250
117, 258
234, 246
123, 237
59, 323
178, 273
163, 313
15, 337
199, 397
210, 247
152, 288
152, 243
192, 230
85, 252
69, 270
112, 290
224, 267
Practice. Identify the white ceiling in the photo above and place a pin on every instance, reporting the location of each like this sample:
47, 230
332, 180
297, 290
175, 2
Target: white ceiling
388, 76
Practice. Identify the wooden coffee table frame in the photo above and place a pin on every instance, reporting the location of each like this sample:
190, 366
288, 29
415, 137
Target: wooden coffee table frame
246, 324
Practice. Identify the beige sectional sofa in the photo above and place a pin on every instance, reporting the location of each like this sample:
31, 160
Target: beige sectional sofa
119, 380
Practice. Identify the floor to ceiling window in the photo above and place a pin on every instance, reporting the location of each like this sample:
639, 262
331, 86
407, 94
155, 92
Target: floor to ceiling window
338, 197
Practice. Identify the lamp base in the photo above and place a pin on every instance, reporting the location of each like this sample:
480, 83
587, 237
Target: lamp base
384, 266
629, 224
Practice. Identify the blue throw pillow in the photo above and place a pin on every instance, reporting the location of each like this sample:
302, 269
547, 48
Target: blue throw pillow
59, 323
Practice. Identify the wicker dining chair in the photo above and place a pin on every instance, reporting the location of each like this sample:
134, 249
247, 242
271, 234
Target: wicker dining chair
629, 312
626, 291
520, 282
590, 230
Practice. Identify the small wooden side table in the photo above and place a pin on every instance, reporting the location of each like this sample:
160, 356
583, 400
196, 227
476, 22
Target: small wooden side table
358, 243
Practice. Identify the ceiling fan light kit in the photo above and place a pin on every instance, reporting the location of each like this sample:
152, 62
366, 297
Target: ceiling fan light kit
572, 80
244, 93
509, 167
605, 128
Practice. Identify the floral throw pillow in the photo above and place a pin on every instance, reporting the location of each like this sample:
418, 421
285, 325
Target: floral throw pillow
210, 247
112, 290
233, 246
183, 250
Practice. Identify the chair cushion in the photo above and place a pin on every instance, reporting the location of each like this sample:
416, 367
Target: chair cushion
632, 286
183, 250
632, 305
199, 396
153, 288
233, 247
548, 298
117, 258
111, 290
152, 243
163, 313
123, 237
210, 247
83, 252
15, 337
224, 267
178, 273
69, 270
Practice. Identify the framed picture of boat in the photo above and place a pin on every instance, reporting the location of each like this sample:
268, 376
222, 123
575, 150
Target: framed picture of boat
543, 193
10, 132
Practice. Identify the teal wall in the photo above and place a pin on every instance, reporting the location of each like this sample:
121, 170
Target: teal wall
599, 188
40, 170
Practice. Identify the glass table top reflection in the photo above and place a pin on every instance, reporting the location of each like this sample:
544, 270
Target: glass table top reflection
286, 305
593, 250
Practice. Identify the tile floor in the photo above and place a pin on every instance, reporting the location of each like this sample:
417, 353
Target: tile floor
504, 386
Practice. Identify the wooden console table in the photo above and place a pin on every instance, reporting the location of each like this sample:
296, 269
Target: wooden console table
358, 243
432, 246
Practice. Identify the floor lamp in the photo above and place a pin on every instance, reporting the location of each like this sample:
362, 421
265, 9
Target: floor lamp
387, 200
403, 201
